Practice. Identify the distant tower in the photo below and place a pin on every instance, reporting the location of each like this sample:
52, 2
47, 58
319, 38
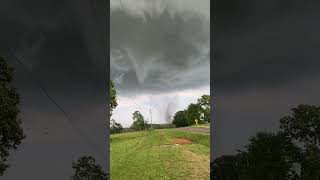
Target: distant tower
151, 117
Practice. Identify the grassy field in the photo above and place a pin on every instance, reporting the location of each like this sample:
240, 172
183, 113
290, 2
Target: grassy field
207, 125
159, 154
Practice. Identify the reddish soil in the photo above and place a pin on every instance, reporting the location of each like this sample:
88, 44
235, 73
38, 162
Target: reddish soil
181, 141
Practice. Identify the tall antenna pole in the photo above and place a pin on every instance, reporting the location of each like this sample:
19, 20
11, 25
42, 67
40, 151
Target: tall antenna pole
150, 111
151, 117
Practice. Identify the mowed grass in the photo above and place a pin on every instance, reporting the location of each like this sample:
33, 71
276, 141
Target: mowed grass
207, 125
151, 155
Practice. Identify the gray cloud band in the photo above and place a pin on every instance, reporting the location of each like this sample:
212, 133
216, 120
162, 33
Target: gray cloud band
158, 52
258, 48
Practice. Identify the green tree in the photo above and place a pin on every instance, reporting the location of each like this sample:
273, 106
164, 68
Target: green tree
180, 119
204, 103
303, 124
310, 163
11, 133
115, 127
293, 153
193, 112
271, 156
229, 167
113, 97
303, 127
138, 121
87, 169
268, 156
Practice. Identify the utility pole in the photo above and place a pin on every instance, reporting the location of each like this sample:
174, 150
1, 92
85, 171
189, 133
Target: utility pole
151, 112
151, 117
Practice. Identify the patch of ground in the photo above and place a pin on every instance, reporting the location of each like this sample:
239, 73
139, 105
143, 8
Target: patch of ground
176, 142
146, 155
195, 130
181, 141
200, 165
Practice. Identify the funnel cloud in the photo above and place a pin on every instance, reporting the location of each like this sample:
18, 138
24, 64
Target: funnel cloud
159, 48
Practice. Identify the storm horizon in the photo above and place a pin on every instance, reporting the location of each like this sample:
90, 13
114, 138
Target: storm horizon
162, 63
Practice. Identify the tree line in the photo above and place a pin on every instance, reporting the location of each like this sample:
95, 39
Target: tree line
195, 111
11, 132
292, 153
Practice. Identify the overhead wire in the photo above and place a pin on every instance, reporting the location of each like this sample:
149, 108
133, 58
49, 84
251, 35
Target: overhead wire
52, 99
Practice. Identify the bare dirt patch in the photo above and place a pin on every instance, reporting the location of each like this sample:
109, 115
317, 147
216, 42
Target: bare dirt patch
181, 141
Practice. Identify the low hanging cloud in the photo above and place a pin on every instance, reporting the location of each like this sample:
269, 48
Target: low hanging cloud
255, 47
159, 48
265, 62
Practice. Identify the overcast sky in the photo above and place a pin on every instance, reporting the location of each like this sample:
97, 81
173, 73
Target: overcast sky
266, 62
160, 57
64, 44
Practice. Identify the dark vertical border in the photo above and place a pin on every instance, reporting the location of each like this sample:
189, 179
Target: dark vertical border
106, 24
103, 12
107, 70
212, 92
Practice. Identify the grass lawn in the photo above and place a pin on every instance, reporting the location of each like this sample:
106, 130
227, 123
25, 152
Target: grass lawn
159, 154
207, 125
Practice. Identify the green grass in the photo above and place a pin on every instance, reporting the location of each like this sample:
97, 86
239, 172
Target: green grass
151, 155
207, 125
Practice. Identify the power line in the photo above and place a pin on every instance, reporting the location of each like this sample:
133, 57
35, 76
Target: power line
42, 87
44, 90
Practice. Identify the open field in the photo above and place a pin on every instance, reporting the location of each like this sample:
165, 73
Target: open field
207, 125
160, 154
203, 130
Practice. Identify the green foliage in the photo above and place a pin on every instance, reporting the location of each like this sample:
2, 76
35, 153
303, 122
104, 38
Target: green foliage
204, 103
11, 133
180, 119
188, 116
303, 125
268, 156
87, 169
227, 167
113, 97
293, 153
199, 111
193, 112
310, 165
115, 127
138, 121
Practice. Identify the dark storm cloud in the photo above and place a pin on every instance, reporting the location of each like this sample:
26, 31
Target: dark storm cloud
52, 39
22, 22
158, 51
267, 42
266, 62
63, 43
